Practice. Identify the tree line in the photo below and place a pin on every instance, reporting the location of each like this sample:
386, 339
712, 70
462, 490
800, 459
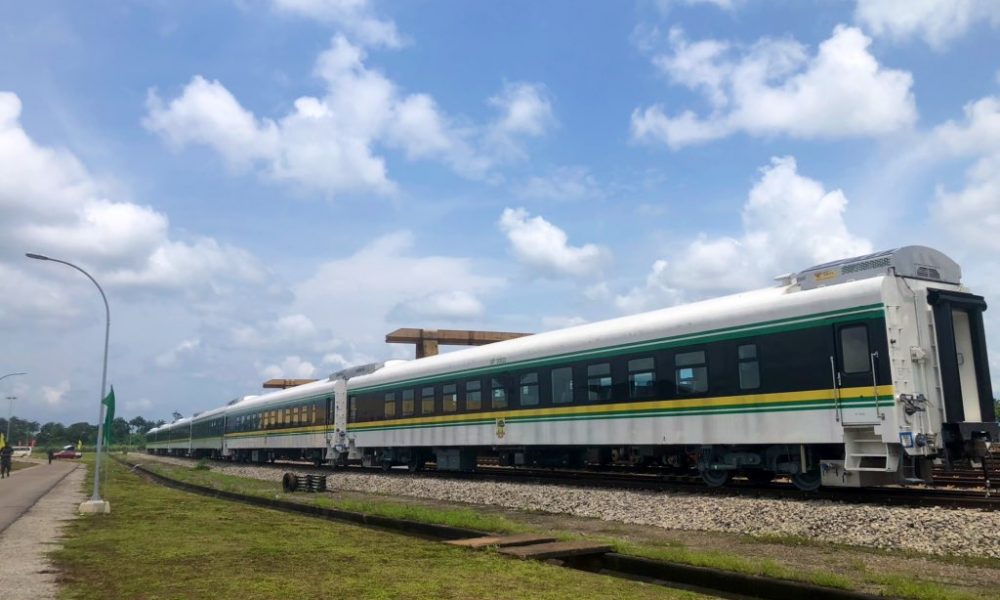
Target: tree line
56, 435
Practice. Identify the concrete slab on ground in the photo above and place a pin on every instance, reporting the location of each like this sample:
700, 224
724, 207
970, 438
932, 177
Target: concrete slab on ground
556, 550
501, 541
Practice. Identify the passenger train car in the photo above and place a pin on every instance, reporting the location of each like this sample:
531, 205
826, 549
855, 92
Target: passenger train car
852, 373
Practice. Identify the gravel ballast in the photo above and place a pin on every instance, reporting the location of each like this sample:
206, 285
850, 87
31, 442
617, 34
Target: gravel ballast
940, 531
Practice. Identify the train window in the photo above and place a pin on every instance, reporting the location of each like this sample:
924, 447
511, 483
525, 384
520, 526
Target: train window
449, 395
528, 388
562, 385
498, 393
427, 400
854, 349
390, 405
407, 403
473, 395
749, 366
352, 405
641, 378
691, 372
599, 382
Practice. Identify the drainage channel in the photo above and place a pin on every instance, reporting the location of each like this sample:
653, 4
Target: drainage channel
703, 580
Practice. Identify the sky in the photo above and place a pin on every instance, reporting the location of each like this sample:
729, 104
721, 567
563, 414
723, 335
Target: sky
265, 188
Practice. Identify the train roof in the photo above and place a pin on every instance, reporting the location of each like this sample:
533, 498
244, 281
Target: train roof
746, 308
316, 388
915, 262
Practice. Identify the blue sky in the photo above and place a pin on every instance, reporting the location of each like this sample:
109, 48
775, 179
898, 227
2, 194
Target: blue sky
267, 187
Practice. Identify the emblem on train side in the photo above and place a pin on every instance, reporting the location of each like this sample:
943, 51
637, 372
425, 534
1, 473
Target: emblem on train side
824, 275
501, 427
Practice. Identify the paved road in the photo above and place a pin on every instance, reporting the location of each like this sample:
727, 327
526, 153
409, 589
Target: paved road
25, 487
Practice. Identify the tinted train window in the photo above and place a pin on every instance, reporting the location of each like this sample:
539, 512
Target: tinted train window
641, 378
599, 382
407, 403
427, 400
749, 366
854, 349
562, 385
449, 398
390, 405
691, 372
528, 389
473, 395
499, 393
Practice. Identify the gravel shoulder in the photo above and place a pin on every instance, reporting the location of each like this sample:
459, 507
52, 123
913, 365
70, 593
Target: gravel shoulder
865, 543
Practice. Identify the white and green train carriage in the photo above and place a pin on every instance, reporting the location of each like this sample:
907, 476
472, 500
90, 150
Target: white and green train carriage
852, 373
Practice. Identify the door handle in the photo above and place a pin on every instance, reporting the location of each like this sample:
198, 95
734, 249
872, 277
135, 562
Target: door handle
839, 384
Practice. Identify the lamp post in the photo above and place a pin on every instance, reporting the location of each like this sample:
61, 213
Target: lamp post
95, 504
10, 413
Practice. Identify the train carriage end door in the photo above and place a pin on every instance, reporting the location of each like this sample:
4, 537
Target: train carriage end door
853, 377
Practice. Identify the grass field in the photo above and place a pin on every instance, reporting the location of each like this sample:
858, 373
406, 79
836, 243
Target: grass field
858, 576
160, 543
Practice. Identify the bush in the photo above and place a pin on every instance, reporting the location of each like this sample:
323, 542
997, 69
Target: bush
202, 465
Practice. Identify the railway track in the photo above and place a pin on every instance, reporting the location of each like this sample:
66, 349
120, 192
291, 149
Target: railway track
920, 496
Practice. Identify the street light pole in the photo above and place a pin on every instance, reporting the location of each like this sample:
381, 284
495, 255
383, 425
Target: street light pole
95, 504
10, 413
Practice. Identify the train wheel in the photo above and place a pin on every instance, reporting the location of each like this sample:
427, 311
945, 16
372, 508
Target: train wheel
716, 478
415, 464
808, 481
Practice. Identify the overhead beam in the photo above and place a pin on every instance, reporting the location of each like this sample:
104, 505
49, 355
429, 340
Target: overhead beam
280, 384
427, 341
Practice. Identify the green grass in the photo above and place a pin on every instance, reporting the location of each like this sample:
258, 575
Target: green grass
901, 585
677, 553
908, 587
161, 543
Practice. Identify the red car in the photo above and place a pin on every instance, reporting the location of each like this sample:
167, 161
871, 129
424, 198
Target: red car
67, 452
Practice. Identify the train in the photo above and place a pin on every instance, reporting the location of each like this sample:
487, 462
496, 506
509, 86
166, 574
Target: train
860, 372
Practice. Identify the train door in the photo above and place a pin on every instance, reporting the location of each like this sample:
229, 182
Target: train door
853, 376
962, 356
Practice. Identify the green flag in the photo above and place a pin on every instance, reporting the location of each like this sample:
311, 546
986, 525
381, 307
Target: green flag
109, 414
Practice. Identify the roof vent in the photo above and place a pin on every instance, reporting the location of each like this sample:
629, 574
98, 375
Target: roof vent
916, 262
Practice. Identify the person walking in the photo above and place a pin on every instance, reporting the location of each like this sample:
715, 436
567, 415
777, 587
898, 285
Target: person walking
51, 452
5, 457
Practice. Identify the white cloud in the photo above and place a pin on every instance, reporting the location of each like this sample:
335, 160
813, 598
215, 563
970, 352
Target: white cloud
292, 367
937, 22
332, 143
776, 88
51, 204
545, 248
54, 395
972, 214
557, 322
171, 357
525, 109
450, 305
790, 223
562, 183
355, 16
727, 5
137, 405
356, 295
